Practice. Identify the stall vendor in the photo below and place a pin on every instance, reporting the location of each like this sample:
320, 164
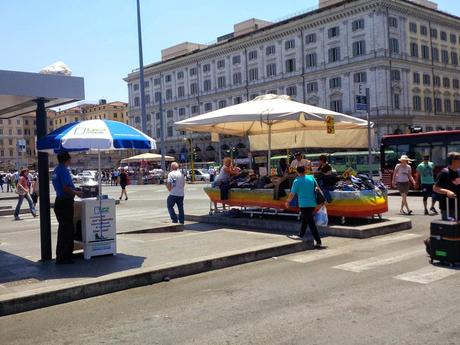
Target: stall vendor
223, 179
299, 161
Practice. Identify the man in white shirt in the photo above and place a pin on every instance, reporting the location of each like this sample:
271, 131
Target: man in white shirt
300, 162
175, 184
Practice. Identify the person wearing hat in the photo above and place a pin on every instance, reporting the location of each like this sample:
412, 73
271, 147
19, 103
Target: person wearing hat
448, 185
402, 177
299, 161
425, 173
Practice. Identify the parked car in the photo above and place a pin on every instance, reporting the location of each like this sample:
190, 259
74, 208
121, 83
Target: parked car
200, 175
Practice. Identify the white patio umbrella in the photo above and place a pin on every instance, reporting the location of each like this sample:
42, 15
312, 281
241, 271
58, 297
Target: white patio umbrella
269, 114
148, 157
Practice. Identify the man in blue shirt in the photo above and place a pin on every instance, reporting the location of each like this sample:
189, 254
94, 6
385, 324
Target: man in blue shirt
304, 187
63, 208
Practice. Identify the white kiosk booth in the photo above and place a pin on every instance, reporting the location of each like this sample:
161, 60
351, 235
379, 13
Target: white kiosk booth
98, 226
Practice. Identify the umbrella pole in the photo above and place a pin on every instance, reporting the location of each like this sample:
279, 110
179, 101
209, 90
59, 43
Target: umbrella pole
99, 179
269, 148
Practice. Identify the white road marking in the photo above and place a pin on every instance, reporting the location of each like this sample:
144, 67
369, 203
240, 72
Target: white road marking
310, 256
381, 260
426, 275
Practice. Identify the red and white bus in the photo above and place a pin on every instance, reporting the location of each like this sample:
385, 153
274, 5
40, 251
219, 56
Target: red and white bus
436, 144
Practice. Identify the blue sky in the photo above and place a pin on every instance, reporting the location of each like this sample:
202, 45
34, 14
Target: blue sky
97, 39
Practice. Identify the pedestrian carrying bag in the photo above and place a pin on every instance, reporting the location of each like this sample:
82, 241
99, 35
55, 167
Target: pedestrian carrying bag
319, 196
321, 218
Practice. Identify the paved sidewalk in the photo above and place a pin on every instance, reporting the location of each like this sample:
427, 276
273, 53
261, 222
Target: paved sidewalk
142, 259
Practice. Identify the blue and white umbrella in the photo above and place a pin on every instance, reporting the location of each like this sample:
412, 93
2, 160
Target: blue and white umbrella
95, 135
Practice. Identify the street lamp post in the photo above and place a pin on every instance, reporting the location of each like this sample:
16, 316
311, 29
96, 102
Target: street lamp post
141, 70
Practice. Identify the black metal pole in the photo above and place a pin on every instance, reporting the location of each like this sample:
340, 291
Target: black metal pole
44, 185
141, 71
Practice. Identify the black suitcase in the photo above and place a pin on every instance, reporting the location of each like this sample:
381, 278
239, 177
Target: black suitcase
446, 228
445, 250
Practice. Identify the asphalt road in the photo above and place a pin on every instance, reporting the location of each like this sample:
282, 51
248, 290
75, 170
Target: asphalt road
375, 291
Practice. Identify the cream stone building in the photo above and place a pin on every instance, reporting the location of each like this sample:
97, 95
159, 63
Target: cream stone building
405, 52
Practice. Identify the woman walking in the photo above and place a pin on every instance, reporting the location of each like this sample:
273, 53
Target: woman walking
23, 193
123, 179
304, 186
402, 178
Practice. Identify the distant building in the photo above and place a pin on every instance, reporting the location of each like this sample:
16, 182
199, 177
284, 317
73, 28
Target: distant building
405, 52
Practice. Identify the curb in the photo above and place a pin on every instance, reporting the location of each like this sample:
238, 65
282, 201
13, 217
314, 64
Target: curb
9, 197
41, 298
384, 227
166, 228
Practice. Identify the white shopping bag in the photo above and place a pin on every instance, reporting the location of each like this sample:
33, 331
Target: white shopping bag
321, 218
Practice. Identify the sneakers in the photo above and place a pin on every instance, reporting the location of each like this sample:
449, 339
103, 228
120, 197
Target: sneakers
426, 212
17, 218
432, 209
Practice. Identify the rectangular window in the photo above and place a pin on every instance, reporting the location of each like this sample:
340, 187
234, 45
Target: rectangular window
312, 87
446, 82
221, 82
289, 44
146, 84
180, 75
291, 91
157, 96
270, 50
156, 81
136, 101
357, 24
168, 94
168, 78
336, 105
193, 88
237, 78
207, 85
447, 106
434, 33
454, 58
394, 46
423, 30
437, 81
136, 87
207, 106
445, 57
396, 101
457, 106
426, 79
310, 60
181, 111
236, 59
170, 131
360, 77
335, 82
425, 52
207, 68
222, 104
195, 109
271, 70
414, 50
252, 55
393, 22
147, 99
221, 64
443, 36
181, 91
417, 103
416, 78
395, 75
453, 39
333, 32
428, 103
438, 104
435, 54
137, 119
413, 27
456, 84
170, 114
290, 65
253, 74
334, 54
359, 48
310, 38
192, 71
238, 100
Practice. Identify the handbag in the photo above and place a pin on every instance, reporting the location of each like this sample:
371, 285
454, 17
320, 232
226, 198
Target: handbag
319, 196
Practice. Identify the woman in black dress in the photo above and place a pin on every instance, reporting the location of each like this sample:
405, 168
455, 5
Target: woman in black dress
123, 180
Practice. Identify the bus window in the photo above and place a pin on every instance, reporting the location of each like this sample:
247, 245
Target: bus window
453, 146
438, 154
393, 152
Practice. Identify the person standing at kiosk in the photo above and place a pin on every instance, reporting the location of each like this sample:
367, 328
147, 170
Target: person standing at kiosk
63, 208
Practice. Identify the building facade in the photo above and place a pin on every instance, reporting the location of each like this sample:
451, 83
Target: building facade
405, 52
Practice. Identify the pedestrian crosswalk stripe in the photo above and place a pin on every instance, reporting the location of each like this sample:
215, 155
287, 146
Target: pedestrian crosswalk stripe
381, 260
310, 256
428, 274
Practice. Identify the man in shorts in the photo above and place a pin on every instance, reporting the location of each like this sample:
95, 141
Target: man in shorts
425, 172
448, 186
